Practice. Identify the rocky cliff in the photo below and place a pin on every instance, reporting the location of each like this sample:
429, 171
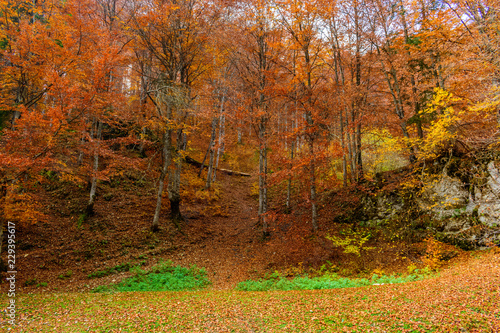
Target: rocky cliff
457, 198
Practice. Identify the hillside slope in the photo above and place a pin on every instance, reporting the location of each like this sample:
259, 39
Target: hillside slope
221, 233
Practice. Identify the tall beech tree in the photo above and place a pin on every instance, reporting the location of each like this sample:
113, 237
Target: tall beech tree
383, 29
350, 63
175, 33
256, 58
300, 20
109, 46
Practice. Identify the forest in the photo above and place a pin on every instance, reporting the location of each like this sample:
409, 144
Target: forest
287, 137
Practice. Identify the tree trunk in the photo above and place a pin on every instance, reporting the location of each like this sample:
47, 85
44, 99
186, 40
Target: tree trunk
210, 169
240, 135
289, 181
93, 182
359, 161
352, 163
80, 155
221, 139
263, 176
416, 104
312, 173
220, 148
174, 181
167, 156
210, 152
342, 142
356, 119
202, 164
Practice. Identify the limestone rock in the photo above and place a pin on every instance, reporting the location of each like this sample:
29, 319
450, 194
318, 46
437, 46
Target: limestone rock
445, 198
487, 199
462, 214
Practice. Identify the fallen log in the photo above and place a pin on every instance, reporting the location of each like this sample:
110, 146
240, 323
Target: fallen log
194, 162
232, 172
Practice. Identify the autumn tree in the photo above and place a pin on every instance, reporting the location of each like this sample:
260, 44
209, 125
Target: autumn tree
55, 81
350, 63
110, 43
21, 73
256, 56
300, 20
175, 33
217, 95
76, 60
478, 58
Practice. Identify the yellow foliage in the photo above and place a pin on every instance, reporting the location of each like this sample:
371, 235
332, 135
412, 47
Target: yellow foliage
22, 207
442, 128
489, 107
212, 194
411, 268
194, 189
378, 272
434, 250
351, 241
70, 178
254, 190
294, 270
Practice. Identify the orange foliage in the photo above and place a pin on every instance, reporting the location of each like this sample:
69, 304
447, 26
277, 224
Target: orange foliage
302, 82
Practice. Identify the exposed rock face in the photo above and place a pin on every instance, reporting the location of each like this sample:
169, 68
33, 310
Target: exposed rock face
383, 206
461, 213
444, 197
487, 199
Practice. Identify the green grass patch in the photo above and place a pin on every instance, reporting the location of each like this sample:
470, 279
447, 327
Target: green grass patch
162, 277
328, 281
66, 275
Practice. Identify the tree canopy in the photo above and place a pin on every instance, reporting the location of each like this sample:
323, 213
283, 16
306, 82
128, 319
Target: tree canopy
328, 92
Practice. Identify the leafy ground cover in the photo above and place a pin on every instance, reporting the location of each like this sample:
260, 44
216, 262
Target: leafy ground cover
162, 277
463, 298
327, 281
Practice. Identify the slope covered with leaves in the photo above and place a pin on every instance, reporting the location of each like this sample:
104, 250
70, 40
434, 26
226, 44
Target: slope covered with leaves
463, 298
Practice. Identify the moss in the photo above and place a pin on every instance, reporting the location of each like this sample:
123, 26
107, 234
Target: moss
456, 240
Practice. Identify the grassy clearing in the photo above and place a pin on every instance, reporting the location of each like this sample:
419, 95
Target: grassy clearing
162, 277
327, 281
465, 298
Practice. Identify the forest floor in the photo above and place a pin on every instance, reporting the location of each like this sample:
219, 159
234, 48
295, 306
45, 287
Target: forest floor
221, 234
59, 259
461, 298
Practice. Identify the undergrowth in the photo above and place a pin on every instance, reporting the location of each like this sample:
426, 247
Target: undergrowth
277, 281
162, 277
123, 267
